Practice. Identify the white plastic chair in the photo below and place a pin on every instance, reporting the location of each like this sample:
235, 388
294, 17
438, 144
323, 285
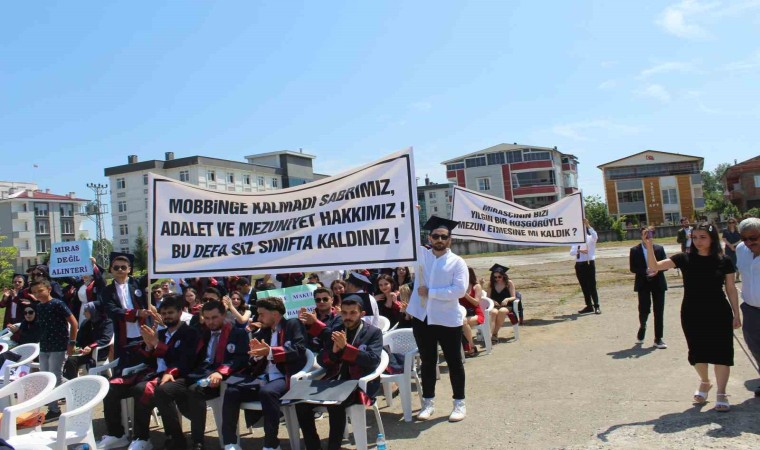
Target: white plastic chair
104, 348
27, 352
82, 395
383, 323
356, 414
26, 388
4, 347
515, 327
291, 421
402, 341
486, 305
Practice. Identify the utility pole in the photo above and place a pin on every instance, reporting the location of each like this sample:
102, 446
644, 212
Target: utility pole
96, 210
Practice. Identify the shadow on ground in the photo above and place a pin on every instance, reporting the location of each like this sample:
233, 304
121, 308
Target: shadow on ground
637, 351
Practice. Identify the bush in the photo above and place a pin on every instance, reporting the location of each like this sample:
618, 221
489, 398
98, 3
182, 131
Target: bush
618, 226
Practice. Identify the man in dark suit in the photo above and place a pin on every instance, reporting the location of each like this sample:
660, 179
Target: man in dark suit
221, 351
353, 351
651, 287
277, 350
320, 323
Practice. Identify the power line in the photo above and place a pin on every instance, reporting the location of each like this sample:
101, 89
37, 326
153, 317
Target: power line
95, 210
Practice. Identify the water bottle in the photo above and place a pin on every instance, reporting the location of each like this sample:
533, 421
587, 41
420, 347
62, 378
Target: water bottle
380, 443
203, 382
80, 447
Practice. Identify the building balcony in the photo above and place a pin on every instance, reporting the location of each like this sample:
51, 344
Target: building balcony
535, 190
27, 253
23, 235
22, 215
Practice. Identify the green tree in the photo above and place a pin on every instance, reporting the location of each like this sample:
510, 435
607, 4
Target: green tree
618, 226
754, 212
731, 211
596, 212
7, 264
141, 251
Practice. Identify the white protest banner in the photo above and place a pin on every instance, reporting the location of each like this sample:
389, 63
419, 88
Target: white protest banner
361, 218
486, 218
295, 297
70, 259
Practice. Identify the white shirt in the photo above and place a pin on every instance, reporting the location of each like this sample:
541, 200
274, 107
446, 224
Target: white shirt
272, 372
374, 318
82, 296
749, 268
590, 246
446, 278
688, 237
122, 290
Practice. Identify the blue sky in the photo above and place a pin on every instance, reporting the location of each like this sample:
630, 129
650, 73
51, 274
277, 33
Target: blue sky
84, 84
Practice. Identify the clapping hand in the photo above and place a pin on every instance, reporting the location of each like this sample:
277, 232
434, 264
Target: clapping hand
149, 335
339, 341
306, 317
258, 348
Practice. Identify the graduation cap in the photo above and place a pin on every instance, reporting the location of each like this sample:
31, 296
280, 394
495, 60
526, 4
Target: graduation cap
498, 268
129, 256
436, 222
359, 279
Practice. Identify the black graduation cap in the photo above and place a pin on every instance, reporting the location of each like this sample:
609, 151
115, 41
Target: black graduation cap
498, 268
129, 256
359, 279
435, 222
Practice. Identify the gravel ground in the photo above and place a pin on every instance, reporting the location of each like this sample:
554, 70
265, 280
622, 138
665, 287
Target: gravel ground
576, 382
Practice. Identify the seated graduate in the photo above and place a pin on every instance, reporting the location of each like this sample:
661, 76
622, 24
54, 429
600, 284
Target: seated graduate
320, 323
277, 351
96, 331
352, 352
222, 350
171, 352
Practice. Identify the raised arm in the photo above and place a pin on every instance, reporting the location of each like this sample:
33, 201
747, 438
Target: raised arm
652, 262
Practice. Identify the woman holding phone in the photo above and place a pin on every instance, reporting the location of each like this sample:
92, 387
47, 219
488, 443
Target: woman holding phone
707, 317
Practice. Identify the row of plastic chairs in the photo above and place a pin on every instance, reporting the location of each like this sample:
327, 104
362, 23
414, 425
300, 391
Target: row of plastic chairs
36, 390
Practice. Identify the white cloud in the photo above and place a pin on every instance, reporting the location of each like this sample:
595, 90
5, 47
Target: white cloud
609, 84
686, 19
420, 106
654, 91
750, 63
579, 130
667, 67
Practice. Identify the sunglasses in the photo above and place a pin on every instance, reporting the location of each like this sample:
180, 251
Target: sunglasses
157, 291
750, 239
322, 299
120, 267
439, 237
36, 274
29, 313
209, 299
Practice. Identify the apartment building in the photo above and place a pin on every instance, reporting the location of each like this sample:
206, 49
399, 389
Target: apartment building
654, 187
259, 173
31, 220
741, 184
434, 200
525, 174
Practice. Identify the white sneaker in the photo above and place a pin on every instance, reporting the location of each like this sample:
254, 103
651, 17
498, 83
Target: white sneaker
459, 412
139, 444
659, 343
232, 447
270, 448
108, 442
427, 410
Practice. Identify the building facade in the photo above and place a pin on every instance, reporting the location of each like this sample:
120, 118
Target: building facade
741, 184
654, 187
31, 220
263, 172
528, 175
434, 200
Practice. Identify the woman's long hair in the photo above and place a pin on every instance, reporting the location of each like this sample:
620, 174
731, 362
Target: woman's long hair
712, 230
407, 277
389, 279
492, 282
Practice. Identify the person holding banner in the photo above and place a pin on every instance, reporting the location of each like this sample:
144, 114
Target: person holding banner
441, 280
585, 269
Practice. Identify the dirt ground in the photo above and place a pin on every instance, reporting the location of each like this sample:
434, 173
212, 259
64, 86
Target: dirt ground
571, 381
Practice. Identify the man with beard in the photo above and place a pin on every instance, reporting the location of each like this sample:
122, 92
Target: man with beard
322, 321
436, 318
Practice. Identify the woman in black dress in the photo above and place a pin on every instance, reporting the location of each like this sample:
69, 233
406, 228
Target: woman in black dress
707, 318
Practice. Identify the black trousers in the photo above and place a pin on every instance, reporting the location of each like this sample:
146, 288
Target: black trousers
586, 274
428, 338
268, 393
648, 300
190, 400
337, 417
112, 410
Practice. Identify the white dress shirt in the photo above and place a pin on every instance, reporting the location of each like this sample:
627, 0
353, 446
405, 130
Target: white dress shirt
446, 278
272, 372
749, 268
122, 290
374, 318
590, 246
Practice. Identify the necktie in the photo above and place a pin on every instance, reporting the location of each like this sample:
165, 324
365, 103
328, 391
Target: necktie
213, 341
578, 255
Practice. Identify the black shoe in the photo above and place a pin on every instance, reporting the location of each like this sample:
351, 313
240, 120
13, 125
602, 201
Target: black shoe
52, 416
757, 392
198, 446
586, 310
597, 310
640, 335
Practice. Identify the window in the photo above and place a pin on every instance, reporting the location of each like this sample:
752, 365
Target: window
495, 158
41, 209
514, 156
230, 177
123, 229
125, 250
757, 180
121, 183
210, 175
184, 175
43, 245
67, 227
275, 183
455, 166
124, 241
260, 181
669, 196
247, 179
631, 196
122, 205
477, 161
537, 156
435, 209
67, 210
43, 227
431, 194
145, 179
534, 178
146, 203
484, 184
673, 218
